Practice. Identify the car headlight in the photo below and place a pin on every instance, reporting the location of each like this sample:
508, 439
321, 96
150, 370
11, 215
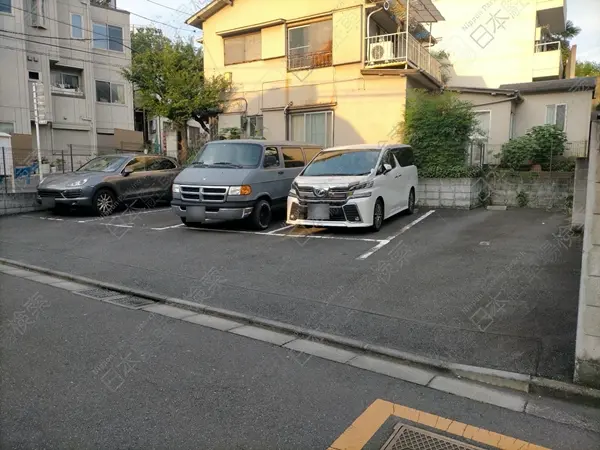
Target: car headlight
176, 189
77, 183
240, 190
363, 185
293, 190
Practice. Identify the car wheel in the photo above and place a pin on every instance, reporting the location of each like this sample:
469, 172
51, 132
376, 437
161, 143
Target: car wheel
377, 215
104, 202
260, 219
190, 224
411, 202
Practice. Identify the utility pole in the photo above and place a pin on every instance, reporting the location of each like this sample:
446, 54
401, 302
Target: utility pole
39, 109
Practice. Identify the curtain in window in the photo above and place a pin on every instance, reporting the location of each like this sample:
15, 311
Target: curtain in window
297, 128
550, 114
316, 128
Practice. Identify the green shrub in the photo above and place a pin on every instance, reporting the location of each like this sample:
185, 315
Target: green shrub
522, 199
560, 164
450, 172
438, 126
517, 152
550, 142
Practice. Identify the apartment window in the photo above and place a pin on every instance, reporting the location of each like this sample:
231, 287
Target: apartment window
6, 6
107, 37
484, 121
76, 26
255, 126
107, 92
310, 46
313, 128
244, 48
65, 80
7, 127
557, 115
34, 75
38, 13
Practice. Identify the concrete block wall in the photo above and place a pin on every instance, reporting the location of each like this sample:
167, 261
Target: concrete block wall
587, 350
542, 189
579, 193
18, 203
461, 193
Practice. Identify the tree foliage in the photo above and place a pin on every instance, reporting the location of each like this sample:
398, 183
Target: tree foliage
587, 69
169, 81
439, 127
565, 37
541, 145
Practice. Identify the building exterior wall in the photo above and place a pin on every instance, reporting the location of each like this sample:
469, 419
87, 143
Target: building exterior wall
492, 43
75, 115
532, 112
499, 110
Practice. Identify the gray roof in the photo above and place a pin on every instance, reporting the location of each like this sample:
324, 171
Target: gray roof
570, 84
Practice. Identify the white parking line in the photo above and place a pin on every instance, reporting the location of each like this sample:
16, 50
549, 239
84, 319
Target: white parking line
151, 211
168, 228
382, 243
280, 229
117, 225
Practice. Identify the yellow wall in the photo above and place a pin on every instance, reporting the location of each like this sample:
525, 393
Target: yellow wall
267, 84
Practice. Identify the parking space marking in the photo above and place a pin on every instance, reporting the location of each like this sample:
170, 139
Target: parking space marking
125, 214
118, 225
372, 419
280, 229
383, 242
179, 225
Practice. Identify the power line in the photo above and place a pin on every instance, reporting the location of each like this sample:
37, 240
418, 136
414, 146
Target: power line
168, 7
62, 47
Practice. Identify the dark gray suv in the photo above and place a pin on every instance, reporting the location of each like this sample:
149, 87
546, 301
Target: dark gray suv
106, 181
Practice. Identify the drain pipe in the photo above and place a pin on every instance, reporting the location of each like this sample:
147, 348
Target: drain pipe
287, 122
369, 22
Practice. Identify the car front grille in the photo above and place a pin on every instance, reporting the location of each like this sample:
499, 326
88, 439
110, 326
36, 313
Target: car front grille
347, 213
67, 193
204, 193
336, 195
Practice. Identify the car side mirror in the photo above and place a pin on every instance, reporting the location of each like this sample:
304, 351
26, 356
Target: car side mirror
127, 171
387, 168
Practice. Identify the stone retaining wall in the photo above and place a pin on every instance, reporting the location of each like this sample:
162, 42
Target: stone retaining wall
20, 202
547, 190
461, 193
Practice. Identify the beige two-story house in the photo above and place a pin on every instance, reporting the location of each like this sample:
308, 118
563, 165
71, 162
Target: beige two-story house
330, 72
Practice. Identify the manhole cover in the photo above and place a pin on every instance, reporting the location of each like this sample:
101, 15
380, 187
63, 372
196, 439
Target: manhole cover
410, 438
99, 294
131, 302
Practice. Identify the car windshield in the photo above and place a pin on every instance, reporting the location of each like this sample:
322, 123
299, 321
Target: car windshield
103, 164
344, 162
229, 155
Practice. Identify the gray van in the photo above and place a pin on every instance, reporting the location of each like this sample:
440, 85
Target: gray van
239, 179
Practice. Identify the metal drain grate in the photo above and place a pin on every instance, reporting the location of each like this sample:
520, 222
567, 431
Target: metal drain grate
131, 302
410, 438
99, 294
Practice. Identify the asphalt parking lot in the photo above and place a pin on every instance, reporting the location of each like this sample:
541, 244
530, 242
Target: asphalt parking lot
490, 288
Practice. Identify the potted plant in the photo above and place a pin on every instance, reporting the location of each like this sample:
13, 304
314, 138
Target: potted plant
45, 166
53, 167
60, 164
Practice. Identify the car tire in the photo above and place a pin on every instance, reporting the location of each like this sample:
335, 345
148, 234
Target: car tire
378, 215
411, 202
260, 219
104, 202
190, 224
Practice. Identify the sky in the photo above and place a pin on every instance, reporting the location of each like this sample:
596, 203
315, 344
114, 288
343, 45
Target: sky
170, 16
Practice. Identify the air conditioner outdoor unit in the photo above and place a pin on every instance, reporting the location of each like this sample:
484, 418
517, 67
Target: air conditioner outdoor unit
381, 51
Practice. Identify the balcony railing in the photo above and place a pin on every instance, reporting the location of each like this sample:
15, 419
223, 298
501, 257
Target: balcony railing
541, 47
314, 60
395, 48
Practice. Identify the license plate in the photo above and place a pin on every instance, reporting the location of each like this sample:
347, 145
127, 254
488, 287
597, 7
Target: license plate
318, 212
48, 202
196, 213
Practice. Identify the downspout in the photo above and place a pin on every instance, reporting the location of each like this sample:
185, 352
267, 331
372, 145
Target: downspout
286, 118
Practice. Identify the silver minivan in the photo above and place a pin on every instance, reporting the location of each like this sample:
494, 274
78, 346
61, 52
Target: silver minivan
239, 179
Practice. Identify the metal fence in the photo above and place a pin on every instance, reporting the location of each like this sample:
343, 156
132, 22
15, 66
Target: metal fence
480, 154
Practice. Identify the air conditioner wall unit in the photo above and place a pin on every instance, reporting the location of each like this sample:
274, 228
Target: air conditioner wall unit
381, 51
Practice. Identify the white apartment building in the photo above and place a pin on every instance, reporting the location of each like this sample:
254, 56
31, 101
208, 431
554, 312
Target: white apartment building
496, 42
76, 49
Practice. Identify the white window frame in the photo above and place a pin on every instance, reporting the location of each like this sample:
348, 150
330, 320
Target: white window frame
326, 112
107, 36
110, 83
556, 105
73, 26
38, 20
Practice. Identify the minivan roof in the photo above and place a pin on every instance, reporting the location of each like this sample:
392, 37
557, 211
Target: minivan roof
267, 142
366, 147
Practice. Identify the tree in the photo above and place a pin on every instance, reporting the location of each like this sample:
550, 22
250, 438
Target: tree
169, 80
564, 37
587, 69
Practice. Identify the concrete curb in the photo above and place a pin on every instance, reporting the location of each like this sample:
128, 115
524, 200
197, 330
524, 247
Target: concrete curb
499, 378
